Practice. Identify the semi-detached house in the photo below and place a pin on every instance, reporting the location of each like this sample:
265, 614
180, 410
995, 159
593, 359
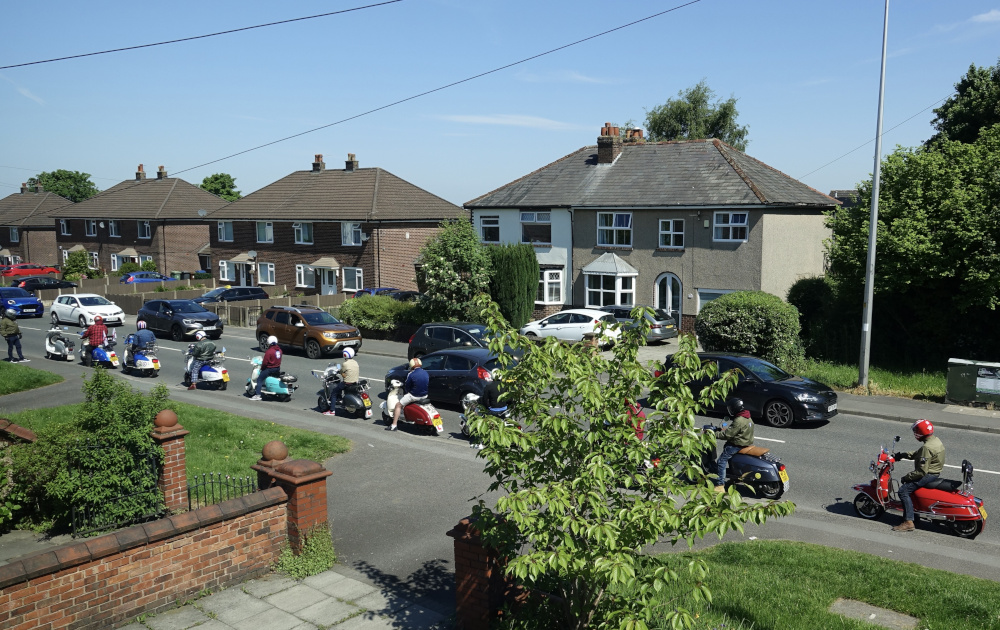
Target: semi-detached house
26, 230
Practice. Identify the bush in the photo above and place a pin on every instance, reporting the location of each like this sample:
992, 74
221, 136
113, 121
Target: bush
753, 322
514, 281
377, 312
454, 269
148, 265
129, 267
202, 275
317, 555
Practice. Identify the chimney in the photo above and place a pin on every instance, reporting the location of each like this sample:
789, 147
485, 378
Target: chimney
161, 173
635, 135
351, 164
24, 188
609, 144
140, 174
39, 188
319, 164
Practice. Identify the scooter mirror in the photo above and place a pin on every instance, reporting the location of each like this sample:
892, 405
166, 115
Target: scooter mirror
897, 438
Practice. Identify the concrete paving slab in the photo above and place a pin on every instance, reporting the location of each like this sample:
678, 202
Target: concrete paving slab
367, 621
383, 602
268, 584
349, 590
323, 580
296, 598
327, 612
134, 626
232, 605
214, 624
416, 618
873, 614
272, 619
177, 619
305, 625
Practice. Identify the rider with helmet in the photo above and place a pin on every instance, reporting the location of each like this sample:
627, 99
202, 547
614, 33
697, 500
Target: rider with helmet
95, 335
202, 352
928, 462
350, 372
270, 365
416, 387
738, 434
12, 333
142, 337
492, 393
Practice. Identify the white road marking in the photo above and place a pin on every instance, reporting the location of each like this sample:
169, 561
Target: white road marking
978, 470
769, 440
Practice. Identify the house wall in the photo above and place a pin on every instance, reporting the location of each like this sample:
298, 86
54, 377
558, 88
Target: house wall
35, 244
786, 259
173, 246
398, 247
178, 245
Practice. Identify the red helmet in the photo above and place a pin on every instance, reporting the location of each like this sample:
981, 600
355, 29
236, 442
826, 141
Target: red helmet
922, 429
98, 320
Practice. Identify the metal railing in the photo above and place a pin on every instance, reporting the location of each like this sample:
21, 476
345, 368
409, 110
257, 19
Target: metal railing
212, 488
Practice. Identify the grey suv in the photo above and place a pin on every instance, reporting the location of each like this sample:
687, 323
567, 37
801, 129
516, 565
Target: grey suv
179, 318
231, 294
662, 324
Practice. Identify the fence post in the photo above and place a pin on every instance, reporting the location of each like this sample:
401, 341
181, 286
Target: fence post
304, 481
480, 584
173, 475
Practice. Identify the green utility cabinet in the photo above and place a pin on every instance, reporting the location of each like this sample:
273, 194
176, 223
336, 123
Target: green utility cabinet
973, 382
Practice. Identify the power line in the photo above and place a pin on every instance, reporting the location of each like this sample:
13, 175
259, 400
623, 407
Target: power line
187, 39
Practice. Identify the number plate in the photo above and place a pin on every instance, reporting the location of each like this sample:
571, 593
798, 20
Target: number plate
225, 377
368, 402
832, 407
438, 424
208, 327
349, 343
982, 510
28, 309
783, 475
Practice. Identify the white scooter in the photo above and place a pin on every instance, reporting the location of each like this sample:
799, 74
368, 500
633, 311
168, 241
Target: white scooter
419, 412
212, 371
57, 345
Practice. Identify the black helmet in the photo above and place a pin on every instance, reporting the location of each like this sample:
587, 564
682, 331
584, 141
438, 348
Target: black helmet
734, 406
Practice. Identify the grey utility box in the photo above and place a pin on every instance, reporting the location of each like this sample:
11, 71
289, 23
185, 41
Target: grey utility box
973, 382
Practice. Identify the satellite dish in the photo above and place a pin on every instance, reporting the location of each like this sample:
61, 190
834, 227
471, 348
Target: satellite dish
202, 212
252, 253
101, 223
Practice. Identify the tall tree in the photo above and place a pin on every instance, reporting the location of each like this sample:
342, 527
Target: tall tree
72, 185
223, 185
975, 106
454, 268
514, 281
693, 116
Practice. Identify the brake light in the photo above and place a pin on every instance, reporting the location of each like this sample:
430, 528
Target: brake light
411, 337
21, 284
482, 373
130, 279
781, 467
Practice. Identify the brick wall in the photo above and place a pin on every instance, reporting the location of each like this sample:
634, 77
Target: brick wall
398, 249
173, 245
179, 245
38, 245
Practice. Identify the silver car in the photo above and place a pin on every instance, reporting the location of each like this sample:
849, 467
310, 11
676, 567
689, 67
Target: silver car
662, 324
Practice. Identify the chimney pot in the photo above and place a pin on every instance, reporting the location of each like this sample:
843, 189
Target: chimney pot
139, 173
161, 172
319, 165
24, 188
352, 163
39, 188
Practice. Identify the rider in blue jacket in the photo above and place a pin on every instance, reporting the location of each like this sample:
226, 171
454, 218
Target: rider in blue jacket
416, 387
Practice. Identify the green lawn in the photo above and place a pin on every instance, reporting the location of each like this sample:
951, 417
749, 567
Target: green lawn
18, 377
919, 385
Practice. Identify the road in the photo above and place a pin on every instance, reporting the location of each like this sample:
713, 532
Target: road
393, 497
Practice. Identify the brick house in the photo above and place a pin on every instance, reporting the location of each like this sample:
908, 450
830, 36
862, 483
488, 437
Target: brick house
137, 220
327, 231
669, 224
26, 230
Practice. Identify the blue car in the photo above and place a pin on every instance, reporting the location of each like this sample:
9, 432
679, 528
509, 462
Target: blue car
144, 276
22, 302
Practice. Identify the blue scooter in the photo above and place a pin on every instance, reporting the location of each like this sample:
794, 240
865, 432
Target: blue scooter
140, 359
279, 387
103, 355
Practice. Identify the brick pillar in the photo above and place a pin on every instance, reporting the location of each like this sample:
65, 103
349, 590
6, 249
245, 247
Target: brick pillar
304, 481
480, 584
173, 476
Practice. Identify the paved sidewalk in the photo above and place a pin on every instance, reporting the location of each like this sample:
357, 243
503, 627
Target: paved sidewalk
329, 600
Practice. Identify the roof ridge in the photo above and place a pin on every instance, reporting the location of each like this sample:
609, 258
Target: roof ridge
156, 215
374, 207
568, 155
771, 168
719, 144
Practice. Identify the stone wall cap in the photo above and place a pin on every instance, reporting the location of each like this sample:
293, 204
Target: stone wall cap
300, 468
17, 430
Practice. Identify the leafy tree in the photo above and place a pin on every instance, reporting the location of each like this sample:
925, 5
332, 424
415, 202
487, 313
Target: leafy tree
975, 106
455, 268
693, 116
575, 514
77, 265
129, 267
223, 185
753, 322
514, 281
148, 265
72, 185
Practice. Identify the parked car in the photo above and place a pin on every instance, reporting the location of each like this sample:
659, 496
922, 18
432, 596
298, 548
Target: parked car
231, 294
453, 373
404, 296
572, 324
307, 327
27, 269
662, 325
435, 336
32, 283
21, 302
82, 308
770, 394
136, 277
373, 291
179, 319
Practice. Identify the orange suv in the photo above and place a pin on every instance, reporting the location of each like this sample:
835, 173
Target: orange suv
307, 327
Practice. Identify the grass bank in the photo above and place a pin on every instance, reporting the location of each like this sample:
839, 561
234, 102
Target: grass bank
18, 377
917, 385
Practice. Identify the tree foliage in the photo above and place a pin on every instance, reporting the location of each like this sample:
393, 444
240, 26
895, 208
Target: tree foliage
579, 505
77, 265
72, 185
454, 268
693, 116
753, 322
975, 106
223, 185
514, 281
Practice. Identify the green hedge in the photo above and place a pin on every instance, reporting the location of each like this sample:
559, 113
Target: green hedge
753, 322
380, 313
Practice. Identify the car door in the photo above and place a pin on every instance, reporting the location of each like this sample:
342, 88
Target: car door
579, 325
162, 316
72, 310
463, 338
439, 338
280, 327
553, 325
750, 389
434, 365
456, 373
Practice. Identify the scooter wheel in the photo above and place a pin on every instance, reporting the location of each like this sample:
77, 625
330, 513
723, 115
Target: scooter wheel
966, 529
770, 489
322, 405
866, 507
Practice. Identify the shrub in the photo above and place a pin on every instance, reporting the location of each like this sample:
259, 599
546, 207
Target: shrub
317, 555
376, 312
454, 269
753, 322
514, 281
202, 275
148, 265
129, 267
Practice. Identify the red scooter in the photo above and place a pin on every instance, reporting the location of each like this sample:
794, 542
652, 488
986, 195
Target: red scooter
943, 500
420, 412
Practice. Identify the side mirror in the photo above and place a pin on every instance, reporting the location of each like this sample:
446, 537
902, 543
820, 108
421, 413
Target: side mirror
299, 324
168, 313
544, 324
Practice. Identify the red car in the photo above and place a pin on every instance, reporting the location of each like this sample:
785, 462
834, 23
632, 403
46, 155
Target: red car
27, 269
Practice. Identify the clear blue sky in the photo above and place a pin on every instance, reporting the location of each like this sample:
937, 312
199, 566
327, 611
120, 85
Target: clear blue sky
805, 75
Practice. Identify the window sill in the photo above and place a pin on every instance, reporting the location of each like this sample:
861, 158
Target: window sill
670, 249
537, 244
731, 240
303, 243
617, 248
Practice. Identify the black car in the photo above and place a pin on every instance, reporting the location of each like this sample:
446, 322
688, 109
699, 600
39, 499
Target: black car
31, 283
453, 373
231, 294
404, 296
441, 335
769, 393
179, 318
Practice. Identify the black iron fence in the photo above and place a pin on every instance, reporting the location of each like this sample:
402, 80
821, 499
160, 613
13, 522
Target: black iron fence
211, 488
112, 487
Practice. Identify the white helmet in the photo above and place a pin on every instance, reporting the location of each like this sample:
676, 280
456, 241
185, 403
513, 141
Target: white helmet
348, 353
272, 340
199, 335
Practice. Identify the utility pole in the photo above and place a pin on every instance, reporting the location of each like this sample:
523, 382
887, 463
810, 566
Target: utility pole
866, 318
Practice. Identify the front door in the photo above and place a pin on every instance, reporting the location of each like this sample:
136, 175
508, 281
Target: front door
327, 281
244, 274
668, 296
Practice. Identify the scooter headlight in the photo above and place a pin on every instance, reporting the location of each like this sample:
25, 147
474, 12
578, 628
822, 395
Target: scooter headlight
872, 467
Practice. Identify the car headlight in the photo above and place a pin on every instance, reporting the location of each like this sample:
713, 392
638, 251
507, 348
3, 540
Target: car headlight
11, 302
187, 322
330, 335
807, 397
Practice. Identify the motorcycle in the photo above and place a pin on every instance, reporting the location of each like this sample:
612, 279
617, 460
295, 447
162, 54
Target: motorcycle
469, 402
142, 360
420, 412
57, 345
279, 387
752, 465
211, 372
945, 500
104, 354
353, 398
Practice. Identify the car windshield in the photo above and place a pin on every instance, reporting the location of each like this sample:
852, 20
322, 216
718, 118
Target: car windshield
661, 315
15, 293
320, 318
479, 333
94, 300
763, 370
215, 292
187, 307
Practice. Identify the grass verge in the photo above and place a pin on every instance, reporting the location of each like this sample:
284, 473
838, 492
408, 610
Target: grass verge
16, 377
918, 385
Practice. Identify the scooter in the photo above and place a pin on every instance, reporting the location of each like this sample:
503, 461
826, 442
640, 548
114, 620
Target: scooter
420, 412
141, 360
946, 500
212, 371
353, 398
57, 345
470, 402
104, 354
754, 466
279, 387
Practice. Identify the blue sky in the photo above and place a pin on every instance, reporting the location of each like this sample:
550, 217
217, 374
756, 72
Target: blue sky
805, 75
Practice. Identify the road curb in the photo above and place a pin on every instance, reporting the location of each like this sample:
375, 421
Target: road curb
937, 423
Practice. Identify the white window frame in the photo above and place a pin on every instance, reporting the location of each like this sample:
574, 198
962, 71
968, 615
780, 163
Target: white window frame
65, 255
91, 227
144, 229
143, 258
623, 289
550, 280
114, 262
268, 231
615, 234
492, 223
225, 228
93, 260
114, 228
15, 235
671, 234
350, 234
300, 230
358, 276
701, 302
64, 227
536, 218
305, 276
724, 228
265, 273
227, 270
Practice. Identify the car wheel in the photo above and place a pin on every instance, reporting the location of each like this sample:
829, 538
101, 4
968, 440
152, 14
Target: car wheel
262, 342
83, 321
177, 333
531, 336
779, 414
313, 351
866, 507
55, 318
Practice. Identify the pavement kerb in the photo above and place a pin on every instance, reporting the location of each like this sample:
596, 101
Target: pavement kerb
911, 419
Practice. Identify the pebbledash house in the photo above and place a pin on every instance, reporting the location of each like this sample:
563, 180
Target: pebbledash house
666, 224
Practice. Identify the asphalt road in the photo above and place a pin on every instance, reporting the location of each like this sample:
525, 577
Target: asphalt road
393, 497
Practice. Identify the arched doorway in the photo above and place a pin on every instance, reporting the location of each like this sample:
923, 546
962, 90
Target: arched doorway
667, 295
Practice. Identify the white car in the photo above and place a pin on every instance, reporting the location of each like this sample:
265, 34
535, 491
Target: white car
82, 308
572, 324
